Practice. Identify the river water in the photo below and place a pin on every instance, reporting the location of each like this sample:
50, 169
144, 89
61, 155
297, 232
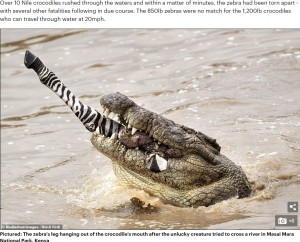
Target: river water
241, 87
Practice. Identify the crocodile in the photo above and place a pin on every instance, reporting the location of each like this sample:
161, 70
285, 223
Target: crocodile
178, 164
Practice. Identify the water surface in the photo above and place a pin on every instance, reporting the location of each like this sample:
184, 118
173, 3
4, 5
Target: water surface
239, 86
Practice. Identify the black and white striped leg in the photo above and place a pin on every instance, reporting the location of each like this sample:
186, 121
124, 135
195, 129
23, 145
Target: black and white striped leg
90, 117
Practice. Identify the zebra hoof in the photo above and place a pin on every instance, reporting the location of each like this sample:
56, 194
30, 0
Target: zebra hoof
29, 59
32, 62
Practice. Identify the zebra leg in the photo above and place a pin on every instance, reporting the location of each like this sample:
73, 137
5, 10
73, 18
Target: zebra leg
90, 117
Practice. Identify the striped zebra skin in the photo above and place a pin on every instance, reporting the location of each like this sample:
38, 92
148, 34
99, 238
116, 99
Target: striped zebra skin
90, 117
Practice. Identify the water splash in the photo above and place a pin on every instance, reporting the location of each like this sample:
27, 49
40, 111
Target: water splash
104, 192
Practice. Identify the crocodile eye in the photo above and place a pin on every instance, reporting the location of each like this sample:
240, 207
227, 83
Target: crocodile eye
156, 163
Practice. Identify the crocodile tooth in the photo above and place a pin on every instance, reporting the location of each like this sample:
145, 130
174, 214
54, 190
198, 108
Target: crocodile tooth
98, 130
129, 126
113, 136
133, 130
136, 148
161, 162
112, 115
106, 113
117, 118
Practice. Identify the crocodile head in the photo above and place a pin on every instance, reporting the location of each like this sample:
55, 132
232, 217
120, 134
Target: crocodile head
180, 165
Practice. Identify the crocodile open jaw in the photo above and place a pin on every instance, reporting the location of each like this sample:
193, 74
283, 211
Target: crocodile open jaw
180, 165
